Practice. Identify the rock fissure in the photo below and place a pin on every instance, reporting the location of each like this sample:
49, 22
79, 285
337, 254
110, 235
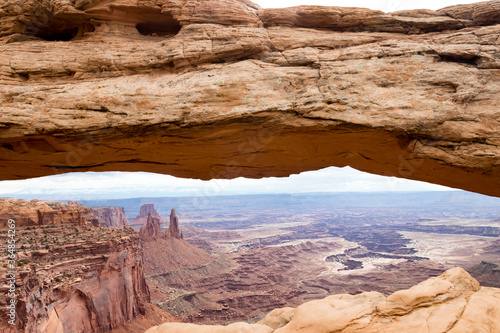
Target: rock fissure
459, 315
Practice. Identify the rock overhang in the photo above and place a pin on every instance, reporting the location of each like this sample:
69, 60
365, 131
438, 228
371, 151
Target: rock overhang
223, 89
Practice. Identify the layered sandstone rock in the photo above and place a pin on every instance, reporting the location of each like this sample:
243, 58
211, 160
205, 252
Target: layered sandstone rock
165, 254
144, 213
73, 277
173, 230
43, 213
152, 230
114, 217
85, 281
223, 89
453, 302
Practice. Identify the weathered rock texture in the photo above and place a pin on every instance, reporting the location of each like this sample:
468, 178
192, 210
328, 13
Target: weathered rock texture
145, 212
223, 88
453, 302
152, 230
42, 213
73, 277
114, 217
173, 230
166, 254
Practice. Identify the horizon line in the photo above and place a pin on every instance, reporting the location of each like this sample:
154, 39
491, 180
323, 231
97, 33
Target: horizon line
249, 194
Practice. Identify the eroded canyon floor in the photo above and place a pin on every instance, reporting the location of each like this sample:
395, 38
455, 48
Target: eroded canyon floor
274, 251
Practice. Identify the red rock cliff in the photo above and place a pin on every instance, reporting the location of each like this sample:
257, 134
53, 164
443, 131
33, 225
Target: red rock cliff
114, 217
91, 285
42, 213
151, 231
72, 277
173, 230
146, 210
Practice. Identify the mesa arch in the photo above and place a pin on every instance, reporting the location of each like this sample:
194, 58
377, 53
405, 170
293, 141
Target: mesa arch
223, 89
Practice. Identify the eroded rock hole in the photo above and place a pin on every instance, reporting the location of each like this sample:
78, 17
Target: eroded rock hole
468, 60
65, 33
163, 28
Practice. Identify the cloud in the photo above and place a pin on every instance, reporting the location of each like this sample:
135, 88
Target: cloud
99, 185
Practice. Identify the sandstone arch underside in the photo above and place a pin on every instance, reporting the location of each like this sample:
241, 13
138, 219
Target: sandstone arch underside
223, 89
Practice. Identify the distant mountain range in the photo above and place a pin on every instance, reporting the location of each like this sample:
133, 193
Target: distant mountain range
459, 201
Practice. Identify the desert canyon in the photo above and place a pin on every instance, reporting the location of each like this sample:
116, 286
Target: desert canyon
213, 89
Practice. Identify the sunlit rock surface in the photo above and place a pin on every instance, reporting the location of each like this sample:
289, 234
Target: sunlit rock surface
223, 88
38, 213
453, 302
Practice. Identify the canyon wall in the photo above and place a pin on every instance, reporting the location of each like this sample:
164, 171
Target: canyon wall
41, 213
73, 277
224, 89
114, 217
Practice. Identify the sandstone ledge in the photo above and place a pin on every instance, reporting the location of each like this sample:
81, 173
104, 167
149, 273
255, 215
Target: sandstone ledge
453, 302
223, 89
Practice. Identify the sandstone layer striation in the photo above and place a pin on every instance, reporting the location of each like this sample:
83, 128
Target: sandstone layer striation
223, 89
173, 230
114, 217
152, 230
73, 277
43, 213
167, 253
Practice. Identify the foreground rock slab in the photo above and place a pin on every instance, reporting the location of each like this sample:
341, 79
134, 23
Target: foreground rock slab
223, 89
453, 302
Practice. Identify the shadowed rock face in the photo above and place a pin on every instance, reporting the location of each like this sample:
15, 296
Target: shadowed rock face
72, 277
152, 230
173, 230
113, 216
223, 89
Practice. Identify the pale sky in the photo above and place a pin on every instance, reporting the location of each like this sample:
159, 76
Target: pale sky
93, 185
117, 185
384, 5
